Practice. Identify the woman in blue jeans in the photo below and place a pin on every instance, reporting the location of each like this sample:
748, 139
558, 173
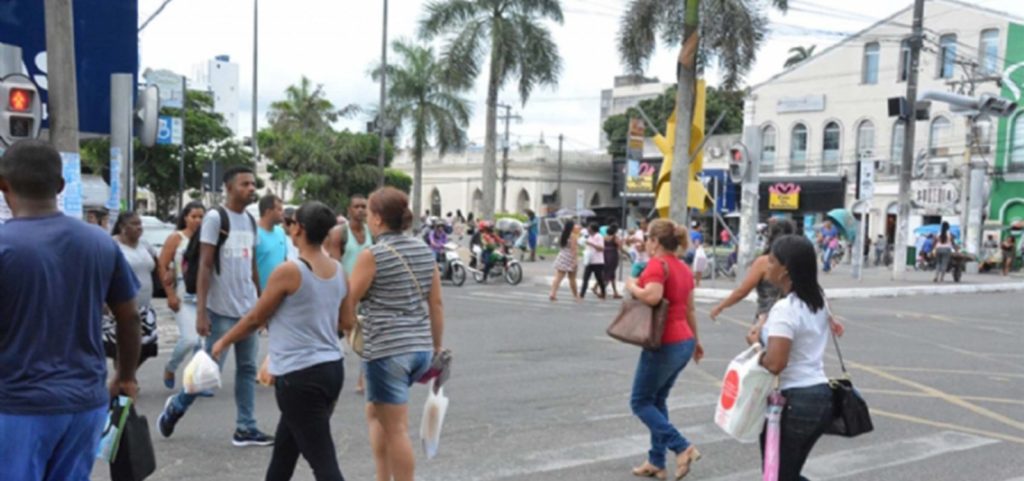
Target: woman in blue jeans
665, 278
797, 332
400, 287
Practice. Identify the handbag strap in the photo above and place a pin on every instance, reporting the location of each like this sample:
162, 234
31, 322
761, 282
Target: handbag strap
401, 258
835, 340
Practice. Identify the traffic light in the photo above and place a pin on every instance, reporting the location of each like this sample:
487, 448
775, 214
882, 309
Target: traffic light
147, 112
22, 112
739, 162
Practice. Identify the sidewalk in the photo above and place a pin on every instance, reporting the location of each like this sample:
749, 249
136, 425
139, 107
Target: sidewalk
840, 284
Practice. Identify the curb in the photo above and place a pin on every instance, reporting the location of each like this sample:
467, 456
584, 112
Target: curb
860, 292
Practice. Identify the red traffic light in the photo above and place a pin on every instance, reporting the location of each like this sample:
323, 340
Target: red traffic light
19, 100
736, 154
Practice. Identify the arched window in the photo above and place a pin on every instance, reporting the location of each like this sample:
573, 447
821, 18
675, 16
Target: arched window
523, 202
1017, 144
595, 200
435, 202
830, 148
988, 54
767, 149
798, 148
899, 134
478, 201
870, 65
947, 55
939, 136
865, 139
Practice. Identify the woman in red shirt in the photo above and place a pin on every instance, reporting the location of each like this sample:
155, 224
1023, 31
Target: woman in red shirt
657, 370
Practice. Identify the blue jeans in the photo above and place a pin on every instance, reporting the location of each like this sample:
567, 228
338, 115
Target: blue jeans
388, 379
246, 352
807, 413
58, 447
827, 259
188, 338
655, 374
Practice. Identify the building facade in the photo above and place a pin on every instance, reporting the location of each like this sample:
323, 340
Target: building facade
629, 91
219, 76
1006, 204
818, 119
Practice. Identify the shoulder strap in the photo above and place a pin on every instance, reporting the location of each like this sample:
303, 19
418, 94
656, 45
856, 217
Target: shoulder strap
222, 237
835, 341
407, 269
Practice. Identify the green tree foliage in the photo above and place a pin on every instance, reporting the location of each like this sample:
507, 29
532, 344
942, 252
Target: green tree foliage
799, 54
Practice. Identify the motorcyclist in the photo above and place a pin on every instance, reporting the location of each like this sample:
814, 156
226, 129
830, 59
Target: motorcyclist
436, 239
491, 243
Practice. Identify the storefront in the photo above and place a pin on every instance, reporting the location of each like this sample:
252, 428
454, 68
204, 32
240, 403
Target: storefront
803, 199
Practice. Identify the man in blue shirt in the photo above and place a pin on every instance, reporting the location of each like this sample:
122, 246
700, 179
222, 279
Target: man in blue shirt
58, 274
272, 246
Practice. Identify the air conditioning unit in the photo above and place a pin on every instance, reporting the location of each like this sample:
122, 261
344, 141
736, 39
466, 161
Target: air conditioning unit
938, 169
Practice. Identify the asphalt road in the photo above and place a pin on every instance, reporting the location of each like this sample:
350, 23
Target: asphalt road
540, 393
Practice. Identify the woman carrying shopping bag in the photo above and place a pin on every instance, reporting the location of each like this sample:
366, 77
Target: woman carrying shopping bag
400, 288
301, 308
172, 273
797, 332
669, 279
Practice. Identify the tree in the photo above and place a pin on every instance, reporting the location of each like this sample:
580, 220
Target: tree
397, 179
659, 109
429, 107
520, 46
731, 31
799, 54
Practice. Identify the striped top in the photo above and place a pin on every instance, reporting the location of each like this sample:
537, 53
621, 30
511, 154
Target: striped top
397, 319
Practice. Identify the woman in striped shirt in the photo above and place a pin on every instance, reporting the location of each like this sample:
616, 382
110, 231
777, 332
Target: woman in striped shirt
400, 287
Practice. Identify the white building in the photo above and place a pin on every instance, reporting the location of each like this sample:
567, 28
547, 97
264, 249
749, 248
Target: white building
629, 90
818, 118
219, 76
455, 181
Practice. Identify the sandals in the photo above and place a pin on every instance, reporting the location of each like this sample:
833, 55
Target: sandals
648, 470
683, 461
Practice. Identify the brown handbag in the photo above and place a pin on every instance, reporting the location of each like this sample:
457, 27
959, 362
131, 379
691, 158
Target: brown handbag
640, 324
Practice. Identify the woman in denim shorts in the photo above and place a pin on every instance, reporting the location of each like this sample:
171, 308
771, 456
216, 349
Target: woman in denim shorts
400, 287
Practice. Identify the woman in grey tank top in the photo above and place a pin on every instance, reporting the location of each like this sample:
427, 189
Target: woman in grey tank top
399, 286
756, 278
302, 309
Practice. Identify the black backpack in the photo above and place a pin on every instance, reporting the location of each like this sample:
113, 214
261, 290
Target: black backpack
190, 260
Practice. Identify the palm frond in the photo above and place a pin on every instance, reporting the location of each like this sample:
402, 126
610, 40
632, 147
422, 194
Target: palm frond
444, 16
636, 41
539, 62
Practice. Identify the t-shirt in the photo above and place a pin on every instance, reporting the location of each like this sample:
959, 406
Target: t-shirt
927, 246
271, 251
595, 250
57, 274
232, 293
696, 236
677, 287
142, 259
792, 319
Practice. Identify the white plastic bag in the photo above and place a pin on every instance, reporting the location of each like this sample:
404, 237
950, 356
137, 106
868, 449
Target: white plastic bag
433, 419
745, 388
700, 259
201, 374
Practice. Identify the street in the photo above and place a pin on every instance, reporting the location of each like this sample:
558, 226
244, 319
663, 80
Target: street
539, 392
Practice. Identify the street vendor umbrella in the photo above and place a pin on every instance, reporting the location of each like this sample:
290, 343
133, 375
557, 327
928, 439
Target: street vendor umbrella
844, 221
508, 224
936, 229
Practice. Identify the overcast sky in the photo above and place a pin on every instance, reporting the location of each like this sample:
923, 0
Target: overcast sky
335, 43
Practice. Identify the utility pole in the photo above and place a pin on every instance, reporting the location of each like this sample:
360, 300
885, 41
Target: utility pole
686, 73
60, 62
255, 83
558, 190
122, 87
749, 198
899, 265
383, 98
504, 159
181, 151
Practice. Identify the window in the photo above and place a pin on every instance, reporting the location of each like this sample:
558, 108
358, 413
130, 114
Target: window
947, 55
830, 148
1017, 144
767, 149
870, 67
865, 140
989, 52
904, 72
899, 133
798, 149
938, 140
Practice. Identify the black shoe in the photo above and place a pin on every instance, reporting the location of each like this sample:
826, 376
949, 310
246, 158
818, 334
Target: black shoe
252, 437
167, 419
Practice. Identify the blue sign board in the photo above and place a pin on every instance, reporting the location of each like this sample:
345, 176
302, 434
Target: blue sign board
164, 136
106, 42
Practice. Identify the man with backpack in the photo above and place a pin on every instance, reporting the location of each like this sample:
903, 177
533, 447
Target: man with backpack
226, 283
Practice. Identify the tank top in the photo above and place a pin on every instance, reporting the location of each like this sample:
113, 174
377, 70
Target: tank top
397, 320
767, 295
353, 248
179, 273
303, 332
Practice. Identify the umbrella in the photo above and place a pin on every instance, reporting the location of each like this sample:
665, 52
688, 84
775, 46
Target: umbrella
844, 221
566, 212
935, 229
585, 213
508, 224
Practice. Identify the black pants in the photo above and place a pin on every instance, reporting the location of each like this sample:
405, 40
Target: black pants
306, 399
598, 271
807, 413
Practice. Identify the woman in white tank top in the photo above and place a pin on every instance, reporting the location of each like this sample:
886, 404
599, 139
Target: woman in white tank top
171, 273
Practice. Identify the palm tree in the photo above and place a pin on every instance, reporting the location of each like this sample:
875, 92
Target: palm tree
306, 109
520, 46
799, 54
423, 100
731, 32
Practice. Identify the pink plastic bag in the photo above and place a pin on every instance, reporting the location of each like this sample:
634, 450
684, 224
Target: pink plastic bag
771, 443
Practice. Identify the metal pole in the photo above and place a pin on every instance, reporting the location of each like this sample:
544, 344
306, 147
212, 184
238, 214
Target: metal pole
749, 202
181, 160
255, 79
121, 89
714, 227
381, 117
558, 190
899, 265
61, 68
504, 160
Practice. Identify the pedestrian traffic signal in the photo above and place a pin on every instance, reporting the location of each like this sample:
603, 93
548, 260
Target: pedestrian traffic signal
738, 162
22, 112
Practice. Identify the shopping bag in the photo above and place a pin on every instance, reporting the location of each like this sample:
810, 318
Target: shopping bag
772, 436
741, 405
134, 459
201, 374
112, 429
433, 419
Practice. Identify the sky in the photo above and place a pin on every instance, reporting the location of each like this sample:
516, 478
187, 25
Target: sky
336, 43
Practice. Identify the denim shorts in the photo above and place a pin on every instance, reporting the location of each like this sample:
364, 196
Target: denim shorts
388, 379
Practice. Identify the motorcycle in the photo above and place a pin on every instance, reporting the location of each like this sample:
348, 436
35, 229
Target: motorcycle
453, 269
505, 266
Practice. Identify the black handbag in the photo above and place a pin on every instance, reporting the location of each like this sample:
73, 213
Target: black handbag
134, 460
850, 414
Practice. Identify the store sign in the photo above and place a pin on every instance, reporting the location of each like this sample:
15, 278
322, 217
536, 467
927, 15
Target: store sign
936, 197
639, 177
784, 197
805, 103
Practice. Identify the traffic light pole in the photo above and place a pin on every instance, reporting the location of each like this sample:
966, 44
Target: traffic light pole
121, 120
61, 71
181, 155
899, 264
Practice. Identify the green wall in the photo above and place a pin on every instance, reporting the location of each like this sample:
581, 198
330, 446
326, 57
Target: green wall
1004, 191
